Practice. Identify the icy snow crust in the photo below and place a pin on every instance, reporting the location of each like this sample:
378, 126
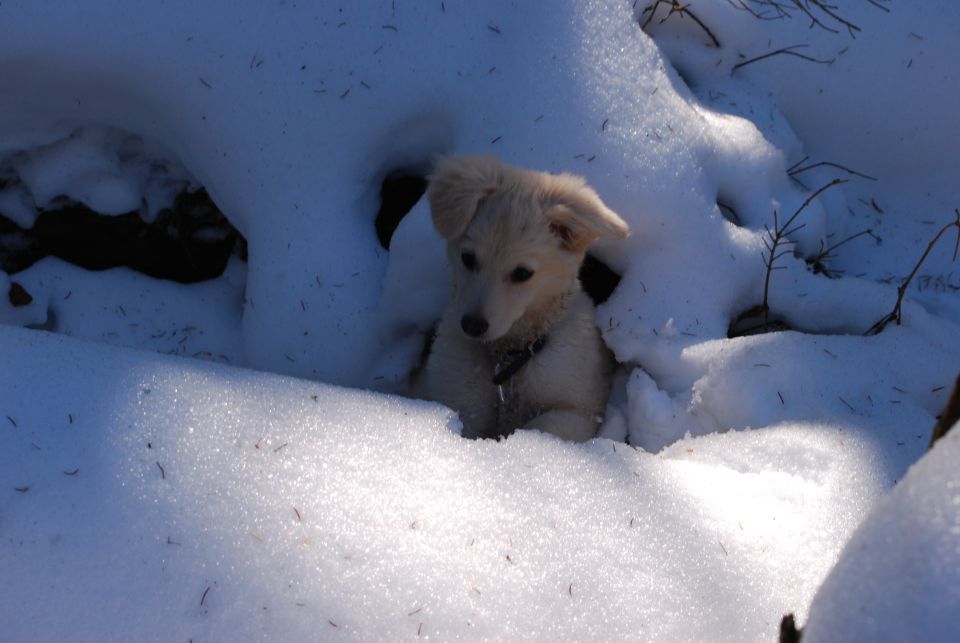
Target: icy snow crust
290, 116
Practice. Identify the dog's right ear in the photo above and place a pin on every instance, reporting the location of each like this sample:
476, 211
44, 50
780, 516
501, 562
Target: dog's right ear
457, 186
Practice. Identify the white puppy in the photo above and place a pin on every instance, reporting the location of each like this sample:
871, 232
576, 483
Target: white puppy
518, 346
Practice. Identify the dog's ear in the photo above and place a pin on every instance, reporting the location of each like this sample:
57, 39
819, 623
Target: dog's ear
457, 186
577, 215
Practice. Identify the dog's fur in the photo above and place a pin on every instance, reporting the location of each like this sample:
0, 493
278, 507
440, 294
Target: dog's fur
505, 219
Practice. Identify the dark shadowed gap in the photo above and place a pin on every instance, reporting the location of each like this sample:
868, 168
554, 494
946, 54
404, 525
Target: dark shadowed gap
187, 243
598, 280
399, 192
725, 205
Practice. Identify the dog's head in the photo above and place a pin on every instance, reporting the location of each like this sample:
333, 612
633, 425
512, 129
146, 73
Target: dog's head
515, 238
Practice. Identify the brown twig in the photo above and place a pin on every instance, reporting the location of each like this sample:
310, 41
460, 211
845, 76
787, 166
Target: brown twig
826, 253
772, 242
783, 51
676, 7
827, 9
820, 13
895, 314
794, 170
743, 6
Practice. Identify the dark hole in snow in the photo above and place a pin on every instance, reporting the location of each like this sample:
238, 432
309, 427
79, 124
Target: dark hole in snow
18, 295
728, 211
399, 192
189, 242
751, 322
598, 280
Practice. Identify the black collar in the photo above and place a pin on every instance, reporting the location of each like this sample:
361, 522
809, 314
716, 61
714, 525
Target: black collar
516, 359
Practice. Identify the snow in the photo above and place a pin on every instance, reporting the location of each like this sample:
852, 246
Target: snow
302, 505
759, 455
910, 540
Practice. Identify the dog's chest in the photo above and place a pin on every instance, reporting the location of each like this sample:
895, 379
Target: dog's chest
520, 399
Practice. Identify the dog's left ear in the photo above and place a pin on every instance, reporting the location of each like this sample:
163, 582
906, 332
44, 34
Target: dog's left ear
578, 216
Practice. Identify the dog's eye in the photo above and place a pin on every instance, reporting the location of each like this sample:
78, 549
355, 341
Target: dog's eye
469, 260
520, 274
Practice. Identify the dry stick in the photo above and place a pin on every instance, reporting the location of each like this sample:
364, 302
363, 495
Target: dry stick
743, 6
824, 254
894, 315
676, 7
797, 170
785, 51
819, 4
772, 242
797, 164
785, 9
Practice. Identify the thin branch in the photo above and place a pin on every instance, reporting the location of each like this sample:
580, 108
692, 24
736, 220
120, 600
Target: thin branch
827, 253
827, 9
797, 164
895, 314
676, 7
775, 238
794, 170
820, 13
783, 51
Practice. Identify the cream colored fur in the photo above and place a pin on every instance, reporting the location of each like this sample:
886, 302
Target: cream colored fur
507, 218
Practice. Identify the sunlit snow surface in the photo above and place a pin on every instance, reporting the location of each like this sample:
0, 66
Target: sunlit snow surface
153, 497
147, 497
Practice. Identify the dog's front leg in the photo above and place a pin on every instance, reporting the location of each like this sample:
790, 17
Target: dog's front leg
458, 374
569, 425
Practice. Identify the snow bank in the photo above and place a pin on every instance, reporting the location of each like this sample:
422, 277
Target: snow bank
286, 127
203, 501
880, 107
208, 501
898, 578
125, 308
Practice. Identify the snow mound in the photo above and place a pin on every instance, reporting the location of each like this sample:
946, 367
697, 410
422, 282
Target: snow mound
898, 577
204, 501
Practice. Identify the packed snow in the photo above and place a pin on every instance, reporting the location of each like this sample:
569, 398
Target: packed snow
223, 498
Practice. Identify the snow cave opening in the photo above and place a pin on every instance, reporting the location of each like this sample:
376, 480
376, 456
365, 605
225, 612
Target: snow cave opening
102, 198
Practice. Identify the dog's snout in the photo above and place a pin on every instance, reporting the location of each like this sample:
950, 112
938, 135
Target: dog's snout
474, 325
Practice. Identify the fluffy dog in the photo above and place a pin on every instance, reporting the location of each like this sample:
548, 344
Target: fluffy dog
517, 347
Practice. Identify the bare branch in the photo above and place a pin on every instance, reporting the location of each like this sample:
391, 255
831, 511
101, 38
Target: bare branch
895, 314
676, 7
827, 253
794, 170
821, 13
777, 237
783, 51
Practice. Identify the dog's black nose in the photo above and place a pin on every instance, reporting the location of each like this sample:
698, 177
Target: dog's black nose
473, 325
